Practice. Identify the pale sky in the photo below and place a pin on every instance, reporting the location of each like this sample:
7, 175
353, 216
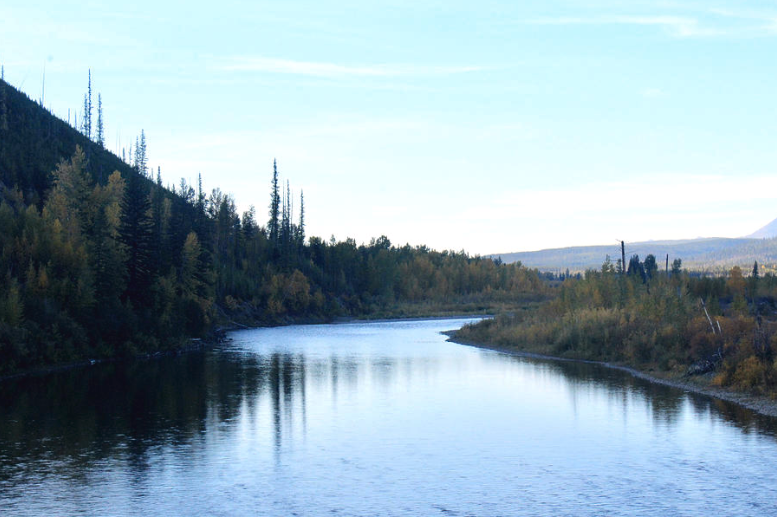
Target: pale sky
490, 126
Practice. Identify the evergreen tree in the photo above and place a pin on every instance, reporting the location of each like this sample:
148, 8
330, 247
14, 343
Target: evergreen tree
89, 108
142, 153
136, 233
100, 129
86, 125
651, 266
275, 206
301, 226
636, 268
677, 265
3, 108
85, 118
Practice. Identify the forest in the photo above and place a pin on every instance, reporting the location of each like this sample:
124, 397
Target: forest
675, 323
99, 259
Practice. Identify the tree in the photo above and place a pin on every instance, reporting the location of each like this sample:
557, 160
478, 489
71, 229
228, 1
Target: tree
677, 265
3, 108
89, 111
87, 122
275, 206
100, 130
301, 226
106, 252
68, 200
136, 233
143, 165
636, 268
651, 266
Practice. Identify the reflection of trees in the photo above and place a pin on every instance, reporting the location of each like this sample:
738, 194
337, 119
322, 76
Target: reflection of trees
665, 402
69, 420
79, 416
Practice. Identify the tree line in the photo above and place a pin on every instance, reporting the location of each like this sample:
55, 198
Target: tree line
98, 259
670, 321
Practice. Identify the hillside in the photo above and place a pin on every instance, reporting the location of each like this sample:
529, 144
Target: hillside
767, 232
701, 254
34, 141
97, 260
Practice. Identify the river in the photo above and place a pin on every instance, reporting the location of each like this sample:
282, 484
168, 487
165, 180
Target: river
381, 418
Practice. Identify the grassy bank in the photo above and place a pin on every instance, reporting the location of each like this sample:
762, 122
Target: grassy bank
710, 333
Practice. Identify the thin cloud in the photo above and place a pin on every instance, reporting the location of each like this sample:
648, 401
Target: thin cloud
681, 26
652, 93
710, 23
335, 70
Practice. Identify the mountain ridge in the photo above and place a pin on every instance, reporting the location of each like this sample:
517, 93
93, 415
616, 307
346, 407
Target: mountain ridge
766, 232
709, 253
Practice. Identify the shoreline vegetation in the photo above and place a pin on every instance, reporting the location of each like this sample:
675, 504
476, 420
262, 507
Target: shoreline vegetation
712, 335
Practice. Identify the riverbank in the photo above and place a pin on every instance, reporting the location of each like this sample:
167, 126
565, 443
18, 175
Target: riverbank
191, 345
698, 384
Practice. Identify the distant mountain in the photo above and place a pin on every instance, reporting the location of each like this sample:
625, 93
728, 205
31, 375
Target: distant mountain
700, 254
767, 232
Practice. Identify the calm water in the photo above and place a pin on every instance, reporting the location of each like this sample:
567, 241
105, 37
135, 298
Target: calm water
373, 419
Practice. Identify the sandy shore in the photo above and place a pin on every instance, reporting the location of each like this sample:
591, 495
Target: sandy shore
763, 405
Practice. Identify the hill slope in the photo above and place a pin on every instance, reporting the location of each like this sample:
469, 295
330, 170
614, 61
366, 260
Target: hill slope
96, 263
704, 254
767, 232
33, 142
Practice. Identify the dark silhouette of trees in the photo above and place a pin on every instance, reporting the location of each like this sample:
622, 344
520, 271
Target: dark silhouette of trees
136, 233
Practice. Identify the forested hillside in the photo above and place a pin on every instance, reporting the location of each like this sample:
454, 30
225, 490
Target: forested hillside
99, 259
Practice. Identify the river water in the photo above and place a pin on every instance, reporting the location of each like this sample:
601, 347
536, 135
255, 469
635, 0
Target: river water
374, 419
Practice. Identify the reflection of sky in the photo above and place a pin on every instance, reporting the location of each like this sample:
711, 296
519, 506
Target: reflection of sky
389, 419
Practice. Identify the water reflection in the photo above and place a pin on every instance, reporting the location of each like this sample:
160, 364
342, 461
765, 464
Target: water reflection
379, 412
665, 403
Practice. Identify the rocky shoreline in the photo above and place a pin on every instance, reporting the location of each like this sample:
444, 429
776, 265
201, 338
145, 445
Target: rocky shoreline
700, 385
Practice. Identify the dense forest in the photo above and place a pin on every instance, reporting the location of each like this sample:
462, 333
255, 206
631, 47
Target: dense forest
669, 322
99, 259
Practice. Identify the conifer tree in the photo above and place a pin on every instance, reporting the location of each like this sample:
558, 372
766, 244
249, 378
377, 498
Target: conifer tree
275, 205
143, 164
136, 232
86, 127
89, 106
301, 226
3, 108
85, 119
100, 130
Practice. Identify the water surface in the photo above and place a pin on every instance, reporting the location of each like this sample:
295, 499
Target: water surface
373, 419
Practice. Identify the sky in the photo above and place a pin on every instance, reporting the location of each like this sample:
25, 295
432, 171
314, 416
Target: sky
490, 126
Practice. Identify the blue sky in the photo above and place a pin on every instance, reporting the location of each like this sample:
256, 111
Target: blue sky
487, 126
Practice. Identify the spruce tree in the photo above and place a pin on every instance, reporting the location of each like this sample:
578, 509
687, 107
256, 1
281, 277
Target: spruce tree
143, 165
275, 206
3, 108
100, 130
85, 119
89, 108
301, 227
136, 233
